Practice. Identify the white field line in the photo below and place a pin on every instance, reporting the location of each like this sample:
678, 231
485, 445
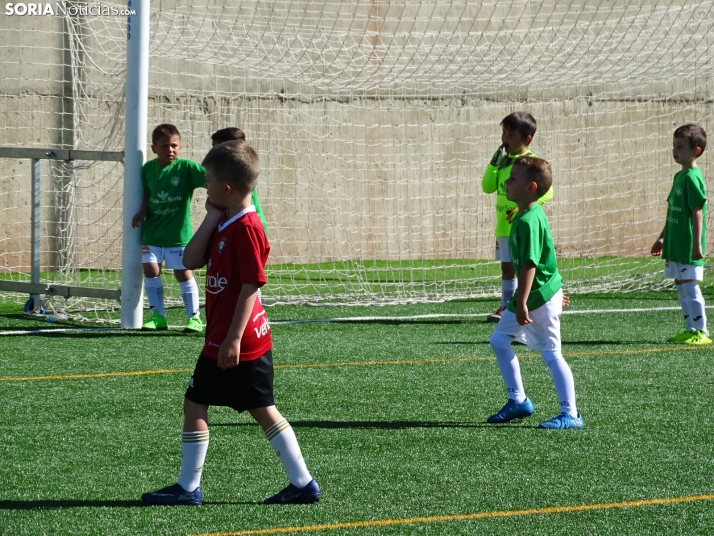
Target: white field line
566, 311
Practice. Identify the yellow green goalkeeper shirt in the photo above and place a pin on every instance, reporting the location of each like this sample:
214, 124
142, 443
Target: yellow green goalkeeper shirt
494, 180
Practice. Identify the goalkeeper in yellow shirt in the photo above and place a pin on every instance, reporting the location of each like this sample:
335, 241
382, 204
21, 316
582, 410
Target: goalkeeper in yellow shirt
518, 131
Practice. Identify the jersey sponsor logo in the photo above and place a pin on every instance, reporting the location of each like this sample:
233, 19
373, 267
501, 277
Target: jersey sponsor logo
164, 197
678, 190
178, 252
175, 181
264, 328
216, 284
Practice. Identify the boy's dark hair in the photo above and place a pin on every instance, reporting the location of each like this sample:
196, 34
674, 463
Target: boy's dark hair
538, 171
227, 134
694, 133
522, 122
233, 162
164, 130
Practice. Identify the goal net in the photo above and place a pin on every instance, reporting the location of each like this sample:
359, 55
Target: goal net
374, 121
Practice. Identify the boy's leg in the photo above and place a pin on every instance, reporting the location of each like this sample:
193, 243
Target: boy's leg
509, 282
189, 291
194, 444
282, 438
685, 303
695, 300
154, 289
518, 405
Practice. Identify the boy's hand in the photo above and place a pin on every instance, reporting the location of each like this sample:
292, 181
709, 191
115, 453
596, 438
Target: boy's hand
511, 214
522, 314
657, 248
697, 252
214, 210
498, 156
566, 301
229, 353
137, 219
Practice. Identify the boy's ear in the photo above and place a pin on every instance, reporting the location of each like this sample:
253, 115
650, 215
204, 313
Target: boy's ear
153, 148
528, 140
532, 187
697, 152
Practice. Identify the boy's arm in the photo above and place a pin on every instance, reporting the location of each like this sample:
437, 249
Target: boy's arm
546, 196
194, 254
143, 211
489, 181
656, 250
229, 353
697, 219
525, 281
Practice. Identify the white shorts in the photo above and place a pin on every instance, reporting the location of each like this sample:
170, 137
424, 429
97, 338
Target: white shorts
173, 257
675, 270
503, 249
543, 334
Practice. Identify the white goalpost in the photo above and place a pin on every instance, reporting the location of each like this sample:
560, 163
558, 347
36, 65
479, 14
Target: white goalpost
374, 121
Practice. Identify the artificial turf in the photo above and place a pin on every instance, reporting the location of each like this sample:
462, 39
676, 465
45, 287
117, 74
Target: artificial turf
390, 414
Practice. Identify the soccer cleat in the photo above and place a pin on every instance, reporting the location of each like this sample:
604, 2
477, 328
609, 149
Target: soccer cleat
194, 325
155, 322
563, 421
173, 495
681, 337
698, 338
512, 410
293, 495
495, 317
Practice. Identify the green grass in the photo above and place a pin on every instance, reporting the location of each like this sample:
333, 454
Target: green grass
393, 431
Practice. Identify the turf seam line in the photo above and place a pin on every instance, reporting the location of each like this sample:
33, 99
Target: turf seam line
464, 517
353, 364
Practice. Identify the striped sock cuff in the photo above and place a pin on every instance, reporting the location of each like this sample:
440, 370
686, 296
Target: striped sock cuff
276, 429
194, 437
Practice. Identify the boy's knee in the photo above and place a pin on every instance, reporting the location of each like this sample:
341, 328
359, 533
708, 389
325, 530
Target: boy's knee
500, 340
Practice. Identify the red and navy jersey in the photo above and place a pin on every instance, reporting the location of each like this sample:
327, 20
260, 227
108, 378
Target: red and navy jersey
238, 252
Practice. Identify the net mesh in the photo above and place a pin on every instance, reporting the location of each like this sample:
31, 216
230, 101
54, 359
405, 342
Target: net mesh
374, 121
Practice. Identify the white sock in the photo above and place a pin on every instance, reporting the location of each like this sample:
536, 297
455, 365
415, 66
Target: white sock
189, 295
193, 453
696, 305
563, 380
155, 293
684, 302
282, 438
509, 366
508, 289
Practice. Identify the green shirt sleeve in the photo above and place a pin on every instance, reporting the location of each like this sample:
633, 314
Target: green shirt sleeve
259, 210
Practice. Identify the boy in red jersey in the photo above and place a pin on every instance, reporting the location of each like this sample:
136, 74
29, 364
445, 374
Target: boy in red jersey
235, 368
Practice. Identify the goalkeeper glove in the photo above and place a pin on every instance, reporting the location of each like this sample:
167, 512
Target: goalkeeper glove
511, 214
498, 156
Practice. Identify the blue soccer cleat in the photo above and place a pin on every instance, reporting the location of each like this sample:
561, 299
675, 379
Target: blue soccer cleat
173, 496
512, 410
294, 495
563, 421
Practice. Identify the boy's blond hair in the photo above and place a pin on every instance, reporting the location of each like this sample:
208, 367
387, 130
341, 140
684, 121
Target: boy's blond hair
166, 130
538, 171
234, 163
694, 134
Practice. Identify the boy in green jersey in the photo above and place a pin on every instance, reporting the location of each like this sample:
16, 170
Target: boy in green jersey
234, 133
532, 316
682, 242
518, 131
165, 219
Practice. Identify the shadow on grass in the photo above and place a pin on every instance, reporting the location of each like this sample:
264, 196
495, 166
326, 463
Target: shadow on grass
58, 504
374, 425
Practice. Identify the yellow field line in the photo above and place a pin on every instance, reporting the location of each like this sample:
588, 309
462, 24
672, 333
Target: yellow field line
343, 364
462, 517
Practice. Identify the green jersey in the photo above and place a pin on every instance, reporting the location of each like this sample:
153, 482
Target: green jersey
170, 190
531, 242
259, 210
494, 180
688, 192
